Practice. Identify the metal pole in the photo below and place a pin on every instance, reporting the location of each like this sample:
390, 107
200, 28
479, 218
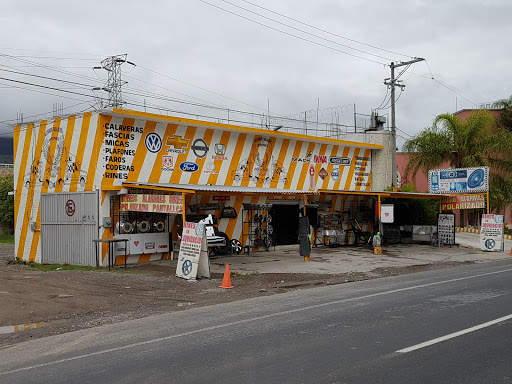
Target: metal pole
393, 128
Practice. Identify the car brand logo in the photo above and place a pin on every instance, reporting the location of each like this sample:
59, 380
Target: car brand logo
335, 160
220, 149
188, 166
335, 174
200, 148
323, 173
153, 142
320, 159
167, 163
177, 142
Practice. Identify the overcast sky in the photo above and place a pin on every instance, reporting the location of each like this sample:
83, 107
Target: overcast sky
237, 64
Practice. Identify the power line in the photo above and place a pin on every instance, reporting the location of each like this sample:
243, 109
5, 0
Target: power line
303, 31
325, 31
291, 34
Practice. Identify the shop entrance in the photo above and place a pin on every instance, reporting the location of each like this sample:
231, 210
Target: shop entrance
286, 224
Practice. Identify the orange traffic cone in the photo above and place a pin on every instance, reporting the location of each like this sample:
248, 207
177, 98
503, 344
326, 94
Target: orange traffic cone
510, 252
226, 282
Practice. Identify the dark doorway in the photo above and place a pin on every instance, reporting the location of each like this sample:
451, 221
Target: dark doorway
286, 224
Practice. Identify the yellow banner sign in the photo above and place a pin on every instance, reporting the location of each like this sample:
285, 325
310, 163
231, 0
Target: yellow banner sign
463, 202
152, 203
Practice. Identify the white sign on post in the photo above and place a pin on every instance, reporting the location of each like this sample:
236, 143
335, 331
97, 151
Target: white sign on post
193, 257
491, 233
387, 213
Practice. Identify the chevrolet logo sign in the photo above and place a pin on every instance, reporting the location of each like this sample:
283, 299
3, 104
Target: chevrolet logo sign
177, 142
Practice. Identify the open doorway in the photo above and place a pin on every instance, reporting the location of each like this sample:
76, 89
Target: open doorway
286, 223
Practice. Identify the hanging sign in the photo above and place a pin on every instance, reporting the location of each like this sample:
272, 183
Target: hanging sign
463, 202
387, 213
193, 256
152, 203
491, 233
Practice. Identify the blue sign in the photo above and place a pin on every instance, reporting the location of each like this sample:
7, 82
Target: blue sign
153, 142
462, 180
188, 166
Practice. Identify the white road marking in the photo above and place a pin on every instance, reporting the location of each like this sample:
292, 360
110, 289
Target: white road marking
257, 318
455, 334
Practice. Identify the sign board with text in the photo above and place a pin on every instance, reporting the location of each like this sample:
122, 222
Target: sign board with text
446, 228
458, 180
463, 202
152, 203
491, 233
193, 256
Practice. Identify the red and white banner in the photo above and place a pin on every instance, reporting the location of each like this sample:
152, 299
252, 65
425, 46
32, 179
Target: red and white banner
152, 203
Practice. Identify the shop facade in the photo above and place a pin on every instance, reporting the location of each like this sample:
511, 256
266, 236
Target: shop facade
139, 176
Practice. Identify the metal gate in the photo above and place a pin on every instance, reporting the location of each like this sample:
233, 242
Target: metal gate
69, 224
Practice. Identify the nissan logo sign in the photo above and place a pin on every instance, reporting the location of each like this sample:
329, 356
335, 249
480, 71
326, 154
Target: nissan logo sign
334, 160
187, 166
200, 148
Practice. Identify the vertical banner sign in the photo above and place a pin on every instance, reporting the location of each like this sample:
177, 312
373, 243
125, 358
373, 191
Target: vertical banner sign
491, 233
446, 228
387, 213
193, 257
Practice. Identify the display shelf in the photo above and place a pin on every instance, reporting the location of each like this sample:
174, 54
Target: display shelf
257, 230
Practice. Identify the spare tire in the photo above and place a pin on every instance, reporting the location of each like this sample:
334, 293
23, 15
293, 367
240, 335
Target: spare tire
226, 250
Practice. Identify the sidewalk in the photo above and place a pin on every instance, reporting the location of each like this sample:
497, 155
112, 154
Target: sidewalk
286, 259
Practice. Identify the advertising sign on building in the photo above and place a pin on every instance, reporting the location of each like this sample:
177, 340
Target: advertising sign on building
152, 203
193, 256
463, 202
491, 233
458, 180
446, 228
387, 213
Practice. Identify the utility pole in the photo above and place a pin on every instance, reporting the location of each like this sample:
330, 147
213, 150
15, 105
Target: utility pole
112, 65
394, 82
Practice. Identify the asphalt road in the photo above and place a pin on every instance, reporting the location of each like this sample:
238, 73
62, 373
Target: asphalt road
452, 325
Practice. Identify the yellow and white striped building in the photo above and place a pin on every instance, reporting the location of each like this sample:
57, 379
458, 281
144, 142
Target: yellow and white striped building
124, 151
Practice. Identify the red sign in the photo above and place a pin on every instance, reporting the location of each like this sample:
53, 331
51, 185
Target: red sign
70, 208
323, 174
320, 159
221, 198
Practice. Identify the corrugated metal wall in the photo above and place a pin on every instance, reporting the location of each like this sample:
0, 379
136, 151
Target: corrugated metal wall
69, 224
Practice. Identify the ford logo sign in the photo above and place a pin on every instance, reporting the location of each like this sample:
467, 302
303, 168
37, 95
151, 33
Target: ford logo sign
187, 166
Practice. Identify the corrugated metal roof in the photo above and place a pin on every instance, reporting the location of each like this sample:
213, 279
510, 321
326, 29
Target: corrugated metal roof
215, 188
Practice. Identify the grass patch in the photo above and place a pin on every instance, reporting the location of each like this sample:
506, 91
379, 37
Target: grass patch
7, 239
55, 267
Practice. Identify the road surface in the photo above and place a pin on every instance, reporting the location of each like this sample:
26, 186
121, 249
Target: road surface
452, 325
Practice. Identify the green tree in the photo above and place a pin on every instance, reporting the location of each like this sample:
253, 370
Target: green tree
505, 119
475, 142
7, 204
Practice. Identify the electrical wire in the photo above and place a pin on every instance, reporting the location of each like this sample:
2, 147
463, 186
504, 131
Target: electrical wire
305, 32
325, 31
291, 34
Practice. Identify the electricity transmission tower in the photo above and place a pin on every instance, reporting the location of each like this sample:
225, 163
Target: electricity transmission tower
112, 65
393, 82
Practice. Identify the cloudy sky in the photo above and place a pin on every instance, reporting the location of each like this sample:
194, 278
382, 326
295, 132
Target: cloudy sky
286, 57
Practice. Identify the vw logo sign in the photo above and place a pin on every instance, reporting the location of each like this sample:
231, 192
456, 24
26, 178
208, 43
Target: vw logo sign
188, 166
153, 142
200, 148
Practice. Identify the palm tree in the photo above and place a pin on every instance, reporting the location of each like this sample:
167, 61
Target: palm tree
475, 142
505, 119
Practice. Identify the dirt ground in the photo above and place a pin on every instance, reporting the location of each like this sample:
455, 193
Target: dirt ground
63, 301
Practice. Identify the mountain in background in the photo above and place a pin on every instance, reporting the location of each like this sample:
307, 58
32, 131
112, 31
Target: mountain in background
6, 150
